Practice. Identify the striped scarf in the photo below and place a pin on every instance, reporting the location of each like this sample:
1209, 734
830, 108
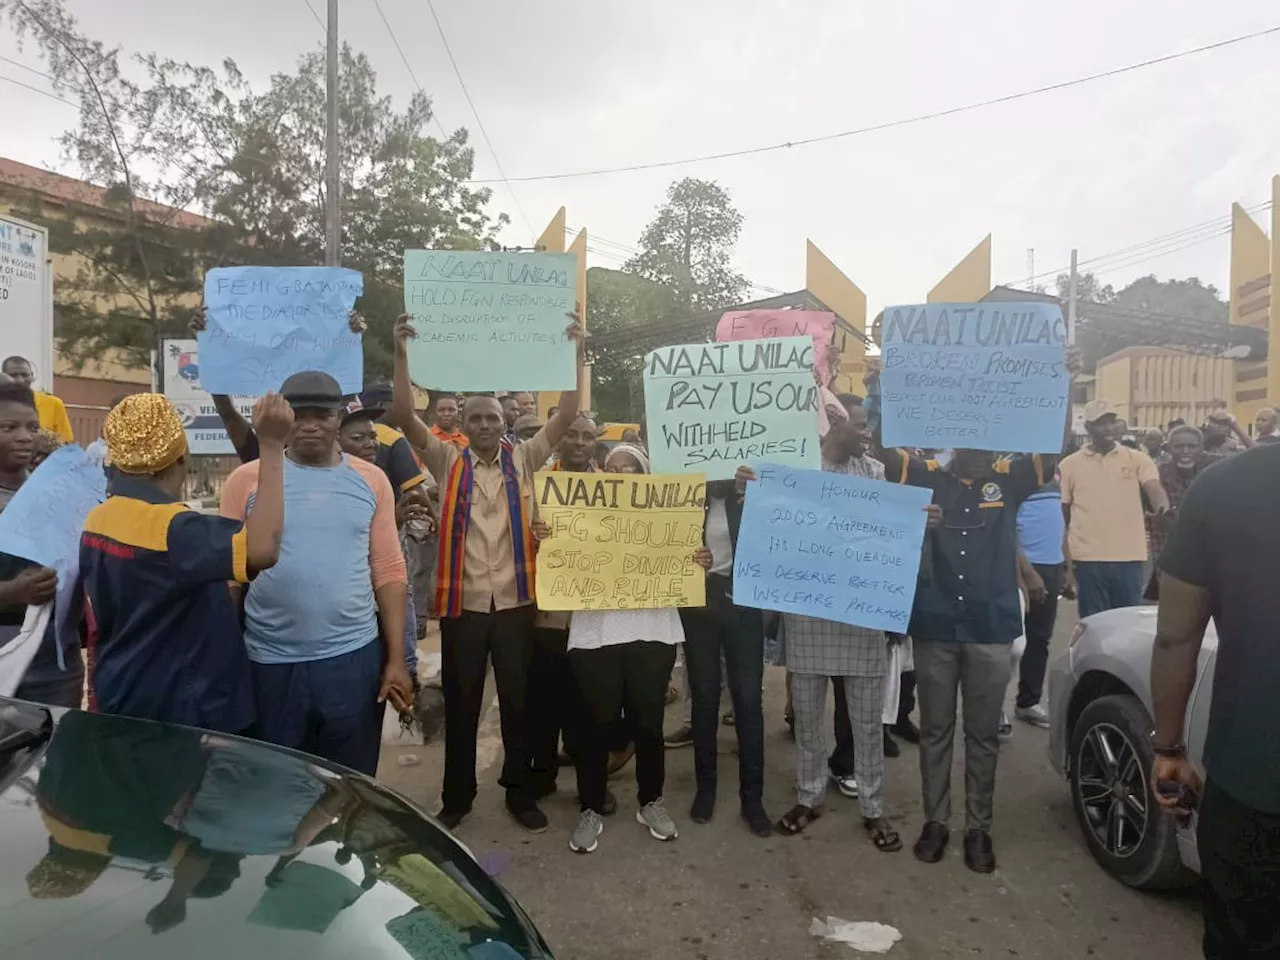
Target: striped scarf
455, 517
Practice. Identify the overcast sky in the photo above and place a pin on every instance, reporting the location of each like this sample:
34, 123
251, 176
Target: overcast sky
569, 85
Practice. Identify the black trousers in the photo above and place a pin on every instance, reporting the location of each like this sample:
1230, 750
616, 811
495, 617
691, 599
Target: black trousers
739, 632
553, 704
466, 645
631, 676
1039, 630
841, 760
1240, 866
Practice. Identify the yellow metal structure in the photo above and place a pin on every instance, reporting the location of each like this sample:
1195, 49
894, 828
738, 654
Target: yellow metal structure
828, 283
969, 280
552, 241
1149, 386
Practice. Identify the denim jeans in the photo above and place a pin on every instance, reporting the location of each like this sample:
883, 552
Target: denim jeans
1105, 585
739, 632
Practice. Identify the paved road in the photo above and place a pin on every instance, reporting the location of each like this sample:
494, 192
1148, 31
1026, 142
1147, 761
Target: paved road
717, 892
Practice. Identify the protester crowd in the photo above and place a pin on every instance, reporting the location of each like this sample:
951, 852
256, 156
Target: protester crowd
352, 520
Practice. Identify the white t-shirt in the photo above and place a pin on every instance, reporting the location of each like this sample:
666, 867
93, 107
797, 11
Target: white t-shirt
593, 629
718, 540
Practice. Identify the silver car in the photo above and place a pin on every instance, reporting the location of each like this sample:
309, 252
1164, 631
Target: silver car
1100, 708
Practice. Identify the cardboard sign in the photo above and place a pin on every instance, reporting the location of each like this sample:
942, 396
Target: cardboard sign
267, 323
983, 376
716, 406
620, 542
830, 545
491, 320
767, 324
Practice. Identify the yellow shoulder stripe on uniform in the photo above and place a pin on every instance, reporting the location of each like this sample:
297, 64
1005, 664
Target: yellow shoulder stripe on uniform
135, 522
387, 435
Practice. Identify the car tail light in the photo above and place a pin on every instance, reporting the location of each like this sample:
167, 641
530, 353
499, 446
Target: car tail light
1077, 633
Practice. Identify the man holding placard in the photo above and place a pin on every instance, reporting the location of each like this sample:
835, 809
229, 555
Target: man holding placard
967, 610
485, 573
819, 650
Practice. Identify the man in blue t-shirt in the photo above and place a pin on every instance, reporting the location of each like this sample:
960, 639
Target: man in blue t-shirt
1040, 529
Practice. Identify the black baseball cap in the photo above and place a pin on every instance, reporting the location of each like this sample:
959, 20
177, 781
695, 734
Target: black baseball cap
311, 388
354, 409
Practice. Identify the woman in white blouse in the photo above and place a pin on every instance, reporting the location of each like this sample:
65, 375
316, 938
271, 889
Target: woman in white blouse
623, 658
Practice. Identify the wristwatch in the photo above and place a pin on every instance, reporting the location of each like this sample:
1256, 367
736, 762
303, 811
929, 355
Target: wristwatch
1172, 751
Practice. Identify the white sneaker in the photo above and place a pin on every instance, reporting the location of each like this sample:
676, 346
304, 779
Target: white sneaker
654, 816
847, 786
1036, 715
586, 836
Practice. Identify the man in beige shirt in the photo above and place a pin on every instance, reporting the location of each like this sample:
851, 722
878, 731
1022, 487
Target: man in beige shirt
485, 591
1103, 484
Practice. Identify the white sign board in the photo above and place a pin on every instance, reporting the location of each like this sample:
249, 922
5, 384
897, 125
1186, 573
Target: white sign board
26, 297
180, 370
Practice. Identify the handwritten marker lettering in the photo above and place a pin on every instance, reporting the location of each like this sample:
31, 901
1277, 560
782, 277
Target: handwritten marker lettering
620, 542
489, 321
850, 551
265, 324
988, 376
716, 406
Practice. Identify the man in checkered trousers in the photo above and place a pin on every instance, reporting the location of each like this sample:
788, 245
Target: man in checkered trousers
821, 651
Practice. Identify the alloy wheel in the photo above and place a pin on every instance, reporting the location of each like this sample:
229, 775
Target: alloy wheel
1112, 788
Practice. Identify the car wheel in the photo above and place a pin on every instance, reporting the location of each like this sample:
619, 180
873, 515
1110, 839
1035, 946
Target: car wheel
1125, 829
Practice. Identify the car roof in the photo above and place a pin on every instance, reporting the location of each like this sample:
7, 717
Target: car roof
106, 820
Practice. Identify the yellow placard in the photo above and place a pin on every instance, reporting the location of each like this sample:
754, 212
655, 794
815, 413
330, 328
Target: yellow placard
620, 542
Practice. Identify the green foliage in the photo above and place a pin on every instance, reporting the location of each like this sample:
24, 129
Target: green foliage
618, 301
688, 245
253, 163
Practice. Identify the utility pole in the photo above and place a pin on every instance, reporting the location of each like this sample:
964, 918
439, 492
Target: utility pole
1072, 288
332, 216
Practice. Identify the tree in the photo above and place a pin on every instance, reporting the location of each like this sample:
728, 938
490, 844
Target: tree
688, 245
252, 163
1184, 299
617, 301
1087, 288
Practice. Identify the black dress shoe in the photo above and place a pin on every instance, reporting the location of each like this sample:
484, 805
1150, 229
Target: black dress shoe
704, 805
979, 855
932, 845
906, 730
758, 821
891, 748
527, 814
451, 818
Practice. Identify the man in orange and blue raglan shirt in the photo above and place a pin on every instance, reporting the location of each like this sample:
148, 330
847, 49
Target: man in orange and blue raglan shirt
164, 636
324, 628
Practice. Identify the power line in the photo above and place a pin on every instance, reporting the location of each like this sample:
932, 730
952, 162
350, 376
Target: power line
890, 124
316, 17
405, 60
479, 123
1107, 262
43, 93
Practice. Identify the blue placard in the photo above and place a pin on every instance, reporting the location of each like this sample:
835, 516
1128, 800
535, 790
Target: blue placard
491, 320
264, 324
45, 518
982, 376
712, 407
830, 545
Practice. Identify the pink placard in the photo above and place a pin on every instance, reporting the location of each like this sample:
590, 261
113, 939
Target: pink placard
761, 324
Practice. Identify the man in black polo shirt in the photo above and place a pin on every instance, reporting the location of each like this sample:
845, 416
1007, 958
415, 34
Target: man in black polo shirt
1221, 560
965, 619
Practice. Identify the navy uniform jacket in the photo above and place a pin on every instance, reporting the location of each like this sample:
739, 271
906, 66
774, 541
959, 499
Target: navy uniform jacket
164, 636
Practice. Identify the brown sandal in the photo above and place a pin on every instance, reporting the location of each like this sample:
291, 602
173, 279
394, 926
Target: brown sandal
797, 819
882, 834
